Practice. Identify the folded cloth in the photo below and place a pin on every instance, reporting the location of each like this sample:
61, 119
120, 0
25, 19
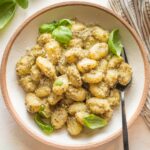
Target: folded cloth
137, 14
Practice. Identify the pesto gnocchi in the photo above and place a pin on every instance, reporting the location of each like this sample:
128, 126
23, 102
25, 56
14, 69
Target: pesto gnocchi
69, 78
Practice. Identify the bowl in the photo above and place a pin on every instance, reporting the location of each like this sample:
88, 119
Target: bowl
88, 13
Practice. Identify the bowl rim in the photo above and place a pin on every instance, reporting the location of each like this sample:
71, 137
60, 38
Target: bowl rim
4, 64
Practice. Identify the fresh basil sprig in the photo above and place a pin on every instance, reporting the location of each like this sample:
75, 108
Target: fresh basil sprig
23, 3
47, 28
8, 9
62, 34
45, 127
60, 30
114, 43
93, 122
65, 22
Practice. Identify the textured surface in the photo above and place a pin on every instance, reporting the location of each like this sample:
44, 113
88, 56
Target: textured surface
14, 138
137, 14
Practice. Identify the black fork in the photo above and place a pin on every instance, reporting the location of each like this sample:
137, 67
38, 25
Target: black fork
122, 94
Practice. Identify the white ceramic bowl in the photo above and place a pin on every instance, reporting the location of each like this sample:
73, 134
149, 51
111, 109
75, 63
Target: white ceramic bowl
25, 36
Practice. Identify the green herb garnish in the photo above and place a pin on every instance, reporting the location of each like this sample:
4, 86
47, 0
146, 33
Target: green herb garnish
8, 9
65, 22
62, 34
45, 127
58, 83
47, 27
93, 122
114, 43
23, 3
60, 30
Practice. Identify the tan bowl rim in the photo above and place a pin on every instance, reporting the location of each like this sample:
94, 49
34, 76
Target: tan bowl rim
4, 86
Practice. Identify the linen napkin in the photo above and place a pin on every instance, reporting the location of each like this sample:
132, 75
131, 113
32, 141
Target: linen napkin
137, 14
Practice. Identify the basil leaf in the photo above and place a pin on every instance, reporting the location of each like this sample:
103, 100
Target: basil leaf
65, 22
5, 1
62, 34
7, 11
93, 122
47, 28
58, 83
114, 43
42, 112
46, 128
23, 3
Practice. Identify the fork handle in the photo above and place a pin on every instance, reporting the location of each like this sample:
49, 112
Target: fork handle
124, 123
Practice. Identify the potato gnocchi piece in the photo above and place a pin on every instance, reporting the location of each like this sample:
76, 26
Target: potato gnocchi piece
66, 102
80, 116
35, 73
98, 106
23, 66
102, 66
76, 107
107, 115
37, 47
115, 62
100, 90
33, 103
27, 83
74, 76
62, 65
59, 118
71, 55
76, 42
93, 76
114, 98
77, 26
60, 85
85, 34
74, 128
36, 51
86, 64
53, 99
77, 94
125, 73
74, 54
89, 42
44, 38
111, 77
53, 50
98, 51
100, 34
43, 91
44, 81
46, 67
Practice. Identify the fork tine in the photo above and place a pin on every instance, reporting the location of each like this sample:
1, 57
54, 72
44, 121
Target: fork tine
124, 55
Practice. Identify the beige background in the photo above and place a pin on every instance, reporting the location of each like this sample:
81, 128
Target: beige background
12, 137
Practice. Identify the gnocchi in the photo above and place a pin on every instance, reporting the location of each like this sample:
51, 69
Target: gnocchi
74, 128
46, 67
77, 107
74, 76
98, 51
77, 94
59, 118
71, 75
86, 65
